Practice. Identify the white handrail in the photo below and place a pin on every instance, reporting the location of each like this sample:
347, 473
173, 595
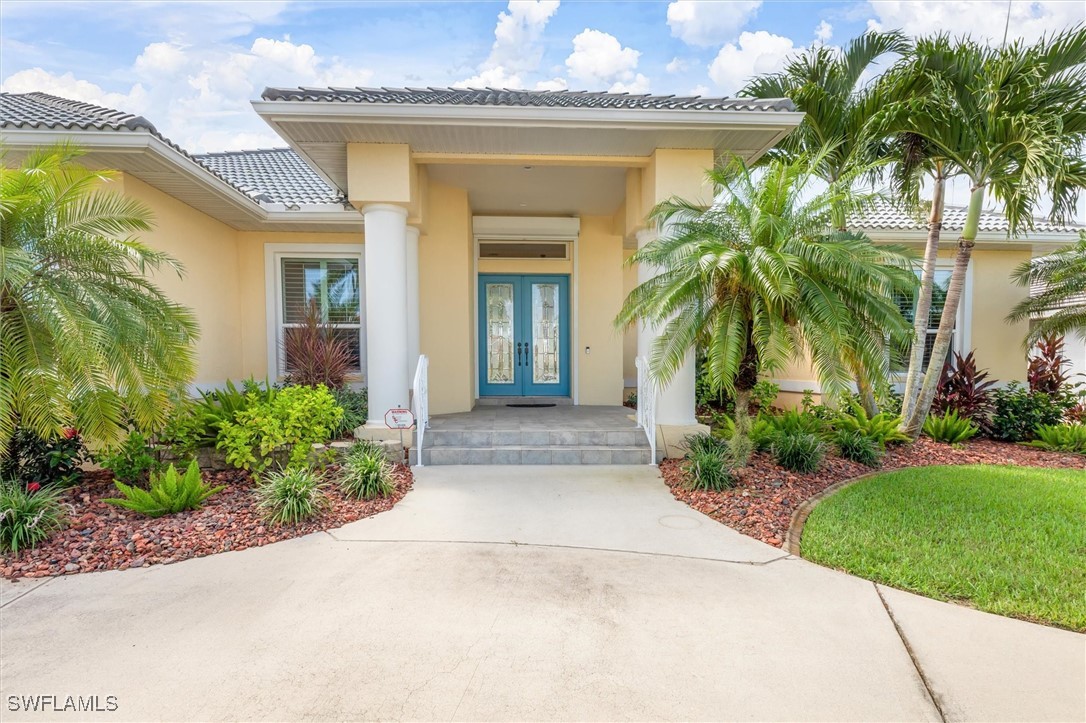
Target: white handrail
420, 403
646, 404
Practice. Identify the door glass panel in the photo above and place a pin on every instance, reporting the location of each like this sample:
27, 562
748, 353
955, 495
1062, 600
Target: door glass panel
545, 334
499, 333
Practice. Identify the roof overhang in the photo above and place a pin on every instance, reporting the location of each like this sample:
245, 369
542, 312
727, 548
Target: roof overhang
147, 157
320, 130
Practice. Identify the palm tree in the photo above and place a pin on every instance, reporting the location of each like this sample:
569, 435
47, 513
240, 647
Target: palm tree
835, 91
761, 278
1059, 306
86, 338
1009, 119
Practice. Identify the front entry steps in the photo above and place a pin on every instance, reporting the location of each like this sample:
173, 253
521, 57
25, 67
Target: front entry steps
549, 435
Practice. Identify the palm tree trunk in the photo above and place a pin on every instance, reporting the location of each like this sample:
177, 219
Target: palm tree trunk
740, 445
923, 302
915, 422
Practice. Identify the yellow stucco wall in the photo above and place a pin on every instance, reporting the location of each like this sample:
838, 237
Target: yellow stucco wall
446, 300
629, 337
998, 344
599, 297
991, 296
208, 250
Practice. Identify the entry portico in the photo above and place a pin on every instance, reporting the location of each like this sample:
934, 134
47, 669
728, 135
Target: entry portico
497, 224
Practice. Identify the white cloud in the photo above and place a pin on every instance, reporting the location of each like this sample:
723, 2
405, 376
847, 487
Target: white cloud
677, 65
824, 31
700, 90
199, 96
755, 53
516, 51
709, 23
986, 18
552, 84
598, 60
31, 80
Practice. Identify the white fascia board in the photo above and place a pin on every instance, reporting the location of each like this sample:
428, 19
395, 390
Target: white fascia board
641, 119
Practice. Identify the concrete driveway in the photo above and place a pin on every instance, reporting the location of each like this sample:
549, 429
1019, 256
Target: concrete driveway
524, 593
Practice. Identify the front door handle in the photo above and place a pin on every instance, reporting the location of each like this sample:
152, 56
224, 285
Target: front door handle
519, 345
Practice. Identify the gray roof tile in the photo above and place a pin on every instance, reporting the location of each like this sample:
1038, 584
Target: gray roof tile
525, 98
277, 175
887, 216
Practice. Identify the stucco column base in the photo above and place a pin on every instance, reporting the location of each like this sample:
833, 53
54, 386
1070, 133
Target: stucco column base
671, 439
378, 432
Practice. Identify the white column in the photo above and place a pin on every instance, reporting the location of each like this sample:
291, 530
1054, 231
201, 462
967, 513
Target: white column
676, 403
386, 308
412, 261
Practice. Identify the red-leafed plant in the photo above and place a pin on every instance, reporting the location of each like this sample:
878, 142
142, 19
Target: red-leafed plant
1077, 413
1047, 366
966, 390
314, 354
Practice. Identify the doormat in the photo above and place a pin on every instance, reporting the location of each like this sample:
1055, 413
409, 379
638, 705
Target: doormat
531, 406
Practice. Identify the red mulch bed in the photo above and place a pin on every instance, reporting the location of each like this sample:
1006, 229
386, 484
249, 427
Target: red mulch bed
762, 502
101, 536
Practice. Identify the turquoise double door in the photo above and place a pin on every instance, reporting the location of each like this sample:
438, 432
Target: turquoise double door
523, 335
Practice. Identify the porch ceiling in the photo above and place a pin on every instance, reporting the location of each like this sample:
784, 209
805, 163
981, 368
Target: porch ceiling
541, 190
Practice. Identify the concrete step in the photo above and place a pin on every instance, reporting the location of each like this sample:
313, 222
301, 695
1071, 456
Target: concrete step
487, 439
516, 454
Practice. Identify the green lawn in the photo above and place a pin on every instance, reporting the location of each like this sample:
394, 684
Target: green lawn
1009, 540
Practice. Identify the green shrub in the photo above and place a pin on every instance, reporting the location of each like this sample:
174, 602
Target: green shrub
697, 443
764, 394
950, 428
28, 515
762, 433
1018, 412
355, 406
46, 461
798, 451
856, 446
133, 461
366, 473
294, 419
292, 495
1060, 438
883, 427
198, 423
168, 493
708, 469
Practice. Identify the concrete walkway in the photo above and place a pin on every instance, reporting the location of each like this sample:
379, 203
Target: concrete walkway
525, 593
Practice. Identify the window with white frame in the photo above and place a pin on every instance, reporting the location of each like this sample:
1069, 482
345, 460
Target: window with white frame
329, 281
907, 303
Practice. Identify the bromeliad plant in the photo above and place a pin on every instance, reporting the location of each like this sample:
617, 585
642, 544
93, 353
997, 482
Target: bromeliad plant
290, 496
761, 278
167, 494
950, 428
28, 514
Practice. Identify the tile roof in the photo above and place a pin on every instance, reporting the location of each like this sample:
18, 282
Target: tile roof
44, 111
887, 216
269, 176
277, 175
525, 98
40, 110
